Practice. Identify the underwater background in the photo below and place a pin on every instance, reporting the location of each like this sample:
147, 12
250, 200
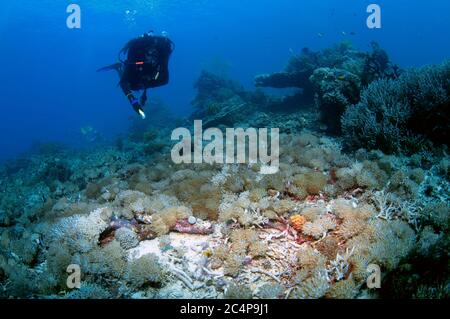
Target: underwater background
363, 184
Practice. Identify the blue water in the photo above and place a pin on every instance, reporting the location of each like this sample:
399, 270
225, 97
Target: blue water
49, 87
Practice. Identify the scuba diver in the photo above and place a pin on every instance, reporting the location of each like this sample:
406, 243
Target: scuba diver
146, 66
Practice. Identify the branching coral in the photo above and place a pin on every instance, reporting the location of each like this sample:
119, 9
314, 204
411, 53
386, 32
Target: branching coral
390, 207
386, 204
339, 267
378, 66
401, 115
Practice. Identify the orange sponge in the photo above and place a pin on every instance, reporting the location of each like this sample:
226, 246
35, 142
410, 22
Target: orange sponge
297, 222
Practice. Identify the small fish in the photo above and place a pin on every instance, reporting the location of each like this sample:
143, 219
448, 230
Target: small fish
90, 134
352, 33
344, 33
320, 35
86, 130
341, 77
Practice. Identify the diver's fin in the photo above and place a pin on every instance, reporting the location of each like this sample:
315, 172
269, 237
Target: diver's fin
115, 66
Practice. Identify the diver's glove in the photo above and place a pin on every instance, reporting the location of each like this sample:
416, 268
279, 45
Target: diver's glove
137, 107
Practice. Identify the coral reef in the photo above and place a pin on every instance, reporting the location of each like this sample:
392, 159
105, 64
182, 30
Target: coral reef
140, 226
89, 291
333, 77
144, 270
220, 100
297, 222
402, 115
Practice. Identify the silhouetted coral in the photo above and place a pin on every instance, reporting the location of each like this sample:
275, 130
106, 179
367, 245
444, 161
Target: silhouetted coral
402, 115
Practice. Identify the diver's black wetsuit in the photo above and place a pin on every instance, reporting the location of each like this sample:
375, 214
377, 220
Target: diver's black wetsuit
146, 66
